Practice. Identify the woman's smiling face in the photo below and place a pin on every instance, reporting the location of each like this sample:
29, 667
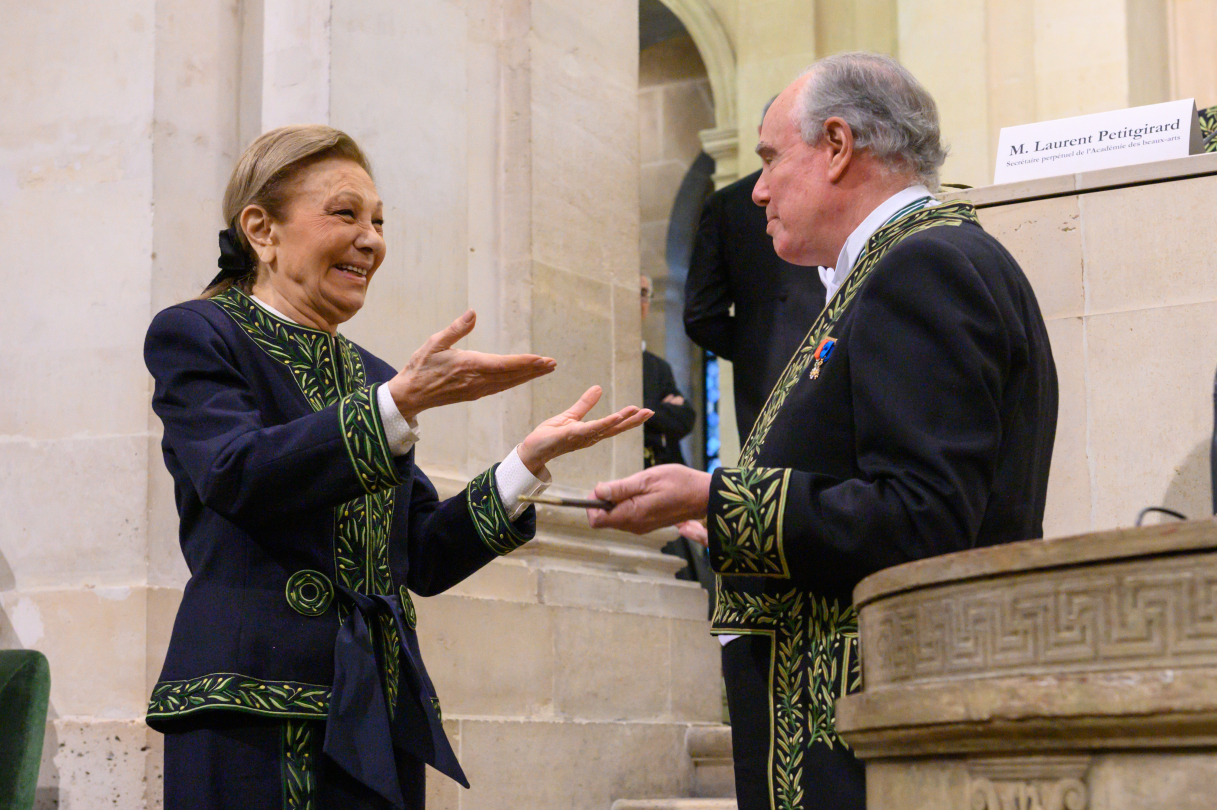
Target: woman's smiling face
327, 246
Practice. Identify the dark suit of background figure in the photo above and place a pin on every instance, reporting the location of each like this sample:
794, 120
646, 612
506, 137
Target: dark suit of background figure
661, 434
775, 302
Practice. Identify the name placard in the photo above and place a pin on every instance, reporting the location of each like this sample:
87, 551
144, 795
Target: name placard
1099, 141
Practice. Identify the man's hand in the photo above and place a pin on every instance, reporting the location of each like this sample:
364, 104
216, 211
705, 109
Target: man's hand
654, 498
674, 399
438, 374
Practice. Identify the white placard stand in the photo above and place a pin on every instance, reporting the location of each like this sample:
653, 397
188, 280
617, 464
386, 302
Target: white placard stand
1099, 141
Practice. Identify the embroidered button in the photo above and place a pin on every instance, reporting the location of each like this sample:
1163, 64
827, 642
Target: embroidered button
407, 607
309, 593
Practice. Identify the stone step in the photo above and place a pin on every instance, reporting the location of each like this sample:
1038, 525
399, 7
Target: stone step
675, 804
713, 772
708, 742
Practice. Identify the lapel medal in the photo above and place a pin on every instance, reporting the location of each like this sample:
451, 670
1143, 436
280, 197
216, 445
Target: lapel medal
823, 351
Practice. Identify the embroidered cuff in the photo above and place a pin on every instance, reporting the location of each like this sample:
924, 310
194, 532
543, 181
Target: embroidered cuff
512, 479
401, 433
489, 516
745, 521
366, 443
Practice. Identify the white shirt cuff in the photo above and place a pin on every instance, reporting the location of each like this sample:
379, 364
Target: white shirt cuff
512, 479
724, 640
401, 432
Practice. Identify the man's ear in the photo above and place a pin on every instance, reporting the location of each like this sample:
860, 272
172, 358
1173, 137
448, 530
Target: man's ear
840, 141
256, 223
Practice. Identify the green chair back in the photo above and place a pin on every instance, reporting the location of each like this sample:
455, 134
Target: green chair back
25, 689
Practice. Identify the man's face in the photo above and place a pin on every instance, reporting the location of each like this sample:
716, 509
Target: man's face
793, 185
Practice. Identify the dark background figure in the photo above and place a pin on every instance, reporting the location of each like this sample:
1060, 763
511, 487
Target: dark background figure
673, 420
775, 302
674, 416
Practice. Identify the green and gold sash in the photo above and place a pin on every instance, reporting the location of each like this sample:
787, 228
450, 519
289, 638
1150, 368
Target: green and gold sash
916, 217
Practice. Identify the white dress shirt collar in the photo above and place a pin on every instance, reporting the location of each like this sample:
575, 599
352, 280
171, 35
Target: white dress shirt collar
272, 310
833, 277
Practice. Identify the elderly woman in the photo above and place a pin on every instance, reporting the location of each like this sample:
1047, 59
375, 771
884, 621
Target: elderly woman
293, 677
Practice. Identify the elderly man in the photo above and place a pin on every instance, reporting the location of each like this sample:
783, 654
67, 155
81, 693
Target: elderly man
916, 418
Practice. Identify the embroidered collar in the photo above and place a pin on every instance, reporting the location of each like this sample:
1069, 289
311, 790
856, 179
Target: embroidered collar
893, 208
324, 366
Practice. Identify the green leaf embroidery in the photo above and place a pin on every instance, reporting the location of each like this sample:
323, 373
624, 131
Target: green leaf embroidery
815, 640
489, 517
815, 661
299, 765
329, 370
241, 693
749, 525
390, 650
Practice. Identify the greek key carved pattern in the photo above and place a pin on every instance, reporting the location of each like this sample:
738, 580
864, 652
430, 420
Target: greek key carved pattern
1030, 783
1061, 794
1162, 612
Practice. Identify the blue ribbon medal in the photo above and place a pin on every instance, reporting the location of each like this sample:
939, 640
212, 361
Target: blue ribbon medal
823, 352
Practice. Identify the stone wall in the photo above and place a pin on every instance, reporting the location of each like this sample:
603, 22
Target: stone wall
77, 192
1121, 264
1018, 62
988, 63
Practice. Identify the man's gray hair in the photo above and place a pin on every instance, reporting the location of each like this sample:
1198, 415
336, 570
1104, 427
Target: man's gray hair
889, 111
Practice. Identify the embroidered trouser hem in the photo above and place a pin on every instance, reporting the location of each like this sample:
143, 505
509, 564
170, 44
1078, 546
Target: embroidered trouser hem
770, 774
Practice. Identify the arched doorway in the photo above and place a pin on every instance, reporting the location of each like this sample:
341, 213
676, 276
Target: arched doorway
676, 104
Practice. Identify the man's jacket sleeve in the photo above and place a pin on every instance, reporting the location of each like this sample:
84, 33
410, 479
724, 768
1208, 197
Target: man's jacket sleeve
708, 297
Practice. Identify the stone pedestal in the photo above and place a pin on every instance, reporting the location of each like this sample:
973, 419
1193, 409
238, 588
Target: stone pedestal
1066, 674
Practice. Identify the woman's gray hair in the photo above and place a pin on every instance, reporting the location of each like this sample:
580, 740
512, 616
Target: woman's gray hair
887, 109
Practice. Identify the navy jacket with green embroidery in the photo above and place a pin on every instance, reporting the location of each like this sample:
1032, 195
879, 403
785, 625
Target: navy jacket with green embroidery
289, 499
918, 422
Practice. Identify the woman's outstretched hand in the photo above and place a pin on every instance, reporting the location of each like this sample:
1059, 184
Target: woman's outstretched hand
566, 431
438, 374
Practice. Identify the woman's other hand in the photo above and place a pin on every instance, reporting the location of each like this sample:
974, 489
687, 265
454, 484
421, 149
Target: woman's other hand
437, 374
566, 431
